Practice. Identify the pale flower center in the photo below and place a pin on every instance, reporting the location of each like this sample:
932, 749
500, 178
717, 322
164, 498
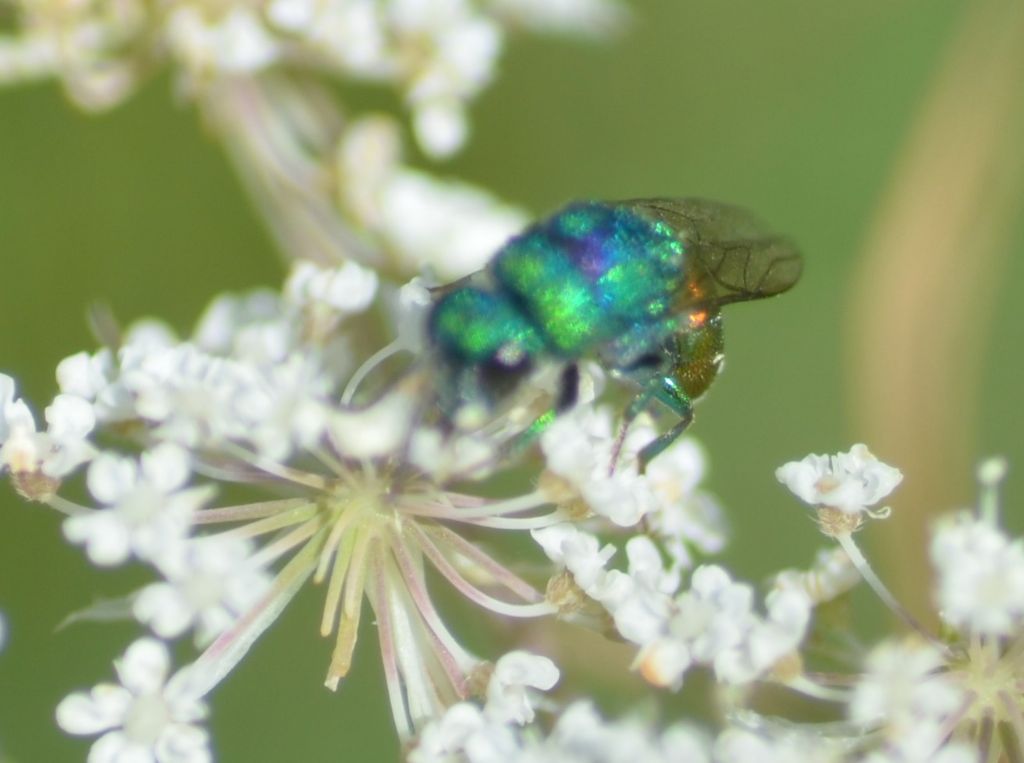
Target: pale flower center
992, 675
204, 590
140, 506
146, 719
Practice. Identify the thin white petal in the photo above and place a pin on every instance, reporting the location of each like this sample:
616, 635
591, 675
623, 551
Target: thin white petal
145, 666
101, 709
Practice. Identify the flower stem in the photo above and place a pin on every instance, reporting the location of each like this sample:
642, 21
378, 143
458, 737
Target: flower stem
861, 563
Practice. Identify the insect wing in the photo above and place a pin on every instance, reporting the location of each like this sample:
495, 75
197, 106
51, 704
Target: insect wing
732, 256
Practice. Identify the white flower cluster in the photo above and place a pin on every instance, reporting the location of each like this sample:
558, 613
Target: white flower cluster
980, 576
445, 227
904, 691
580, 450
467, 733
248, 375
712, 623
39, 460
438, 53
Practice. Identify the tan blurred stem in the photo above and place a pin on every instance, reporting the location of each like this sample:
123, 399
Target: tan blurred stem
280, 132
921, 302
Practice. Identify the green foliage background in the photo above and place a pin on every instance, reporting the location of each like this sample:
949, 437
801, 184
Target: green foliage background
795, 109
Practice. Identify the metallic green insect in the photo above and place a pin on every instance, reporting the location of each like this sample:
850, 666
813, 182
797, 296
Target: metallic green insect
636, 285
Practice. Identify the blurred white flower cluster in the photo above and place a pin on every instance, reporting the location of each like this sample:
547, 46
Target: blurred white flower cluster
438, 54
712, 623
330, 182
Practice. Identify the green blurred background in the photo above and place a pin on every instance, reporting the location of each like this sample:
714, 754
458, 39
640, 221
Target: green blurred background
802, 111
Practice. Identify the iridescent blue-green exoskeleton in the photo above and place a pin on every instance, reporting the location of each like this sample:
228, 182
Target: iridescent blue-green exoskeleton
636, 285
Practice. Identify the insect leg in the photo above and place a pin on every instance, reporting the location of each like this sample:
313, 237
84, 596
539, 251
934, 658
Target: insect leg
636, 406
568, 393
669, 392
568, 388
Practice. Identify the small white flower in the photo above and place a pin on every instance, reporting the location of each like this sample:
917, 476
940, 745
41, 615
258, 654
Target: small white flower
715, 618
269, 399
582, 735
69, 422
228, 324
980, 576
850, 482
713, 615
289, 409
903, 691
147, 718
22, 448
292, 15
831, 575
378, 430
464, 733
663, 662
637, 599
952, 752
640, 600
349, 288
441, 127
570, 16
685, 516
579, 448
738, 745
210, 582
39, 460
236, 43
149, 509
577, 551
508, 698
447, 228
85, 375
150, 335
353, 34
190, 396
768, 639
442, 455
450, 228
